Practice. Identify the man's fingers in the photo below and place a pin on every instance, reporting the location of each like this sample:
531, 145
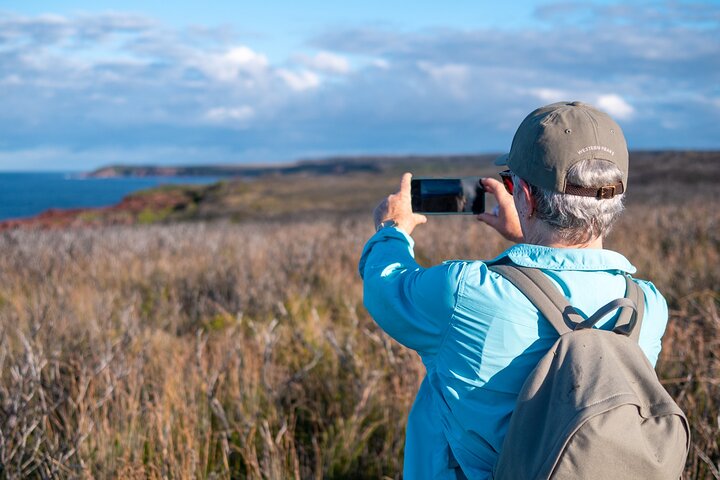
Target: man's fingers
488, 218
420, 218
491, 185
405, 183
496, 188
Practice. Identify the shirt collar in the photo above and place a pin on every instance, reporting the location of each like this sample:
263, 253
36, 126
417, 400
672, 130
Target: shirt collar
547, 258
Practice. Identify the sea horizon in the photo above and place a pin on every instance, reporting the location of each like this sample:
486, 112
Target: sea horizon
25, 194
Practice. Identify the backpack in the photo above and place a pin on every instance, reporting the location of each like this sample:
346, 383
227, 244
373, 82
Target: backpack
593, 407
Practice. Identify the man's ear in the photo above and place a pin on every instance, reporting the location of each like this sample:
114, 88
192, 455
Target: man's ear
527, 197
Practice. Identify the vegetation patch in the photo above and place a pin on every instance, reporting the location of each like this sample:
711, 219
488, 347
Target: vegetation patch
199, 349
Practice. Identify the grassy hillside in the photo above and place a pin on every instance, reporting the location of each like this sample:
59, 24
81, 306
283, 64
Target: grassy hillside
242, 350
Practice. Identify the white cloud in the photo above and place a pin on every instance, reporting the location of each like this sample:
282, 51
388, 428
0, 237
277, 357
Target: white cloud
326, 62
380, 63
451, 76
549, 95
11, 80
65, 80
615, 105
50, 19
669, 124
445, 72
611, 103
230, 66
234, 114
113, 22
299, 81
102, 97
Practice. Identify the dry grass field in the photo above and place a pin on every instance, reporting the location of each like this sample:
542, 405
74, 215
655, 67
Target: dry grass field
242, 350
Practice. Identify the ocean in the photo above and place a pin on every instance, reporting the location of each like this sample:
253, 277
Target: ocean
27, 194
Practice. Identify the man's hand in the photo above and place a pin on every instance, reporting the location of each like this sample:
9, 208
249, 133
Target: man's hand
505, 217
397, 207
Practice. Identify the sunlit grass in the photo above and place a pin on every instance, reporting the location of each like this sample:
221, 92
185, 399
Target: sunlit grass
226, 350
244, 351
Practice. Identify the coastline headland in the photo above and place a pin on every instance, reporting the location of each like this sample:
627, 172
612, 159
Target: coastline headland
333, 186
332, 166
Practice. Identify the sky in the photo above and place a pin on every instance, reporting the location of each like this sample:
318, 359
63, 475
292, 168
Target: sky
86, 84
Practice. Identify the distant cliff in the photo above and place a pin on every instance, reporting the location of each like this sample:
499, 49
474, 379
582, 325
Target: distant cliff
335, 166
323, 167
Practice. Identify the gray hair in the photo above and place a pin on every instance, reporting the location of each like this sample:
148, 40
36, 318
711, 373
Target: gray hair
575, 219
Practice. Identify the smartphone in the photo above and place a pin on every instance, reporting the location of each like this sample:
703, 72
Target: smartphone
447, 196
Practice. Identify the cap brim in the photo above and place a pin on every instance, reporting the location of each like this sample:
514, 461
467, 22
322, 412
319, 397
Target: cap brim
502, 159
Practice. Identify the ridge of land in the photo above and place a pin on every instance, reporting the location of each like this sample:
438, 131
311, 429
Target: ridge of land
327, 166
342, 185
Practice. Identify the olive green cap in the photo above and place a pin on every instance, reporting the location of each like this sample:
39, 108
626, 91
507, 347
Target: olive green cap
553, 138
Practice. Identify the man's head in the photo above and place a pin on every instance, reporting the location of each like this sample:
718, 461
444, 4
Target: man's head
574, 160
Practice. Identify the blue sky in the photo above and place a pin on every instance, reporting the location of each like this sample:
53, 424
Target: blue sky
85, 84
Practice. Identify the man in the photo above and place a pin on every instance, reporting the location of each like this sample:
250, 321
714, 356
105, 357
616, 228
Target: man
477, 335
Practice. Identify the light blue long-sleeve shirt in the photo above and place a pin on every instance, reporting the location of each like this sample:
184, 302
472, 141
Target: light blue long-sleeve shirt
479, 338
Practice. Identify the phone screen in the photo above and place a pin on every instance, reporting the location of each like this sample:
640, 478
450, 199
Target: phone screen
447, 195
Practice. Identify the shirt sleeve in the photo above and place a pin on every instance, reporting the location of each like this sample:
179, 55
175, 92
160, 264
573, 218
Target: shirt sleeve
412, 304
654, 322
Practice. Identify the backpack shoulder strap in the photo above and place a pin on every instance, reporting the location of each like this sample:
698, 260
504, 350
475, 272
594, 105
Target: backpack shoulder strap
630, 321
563, 316
543, 294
